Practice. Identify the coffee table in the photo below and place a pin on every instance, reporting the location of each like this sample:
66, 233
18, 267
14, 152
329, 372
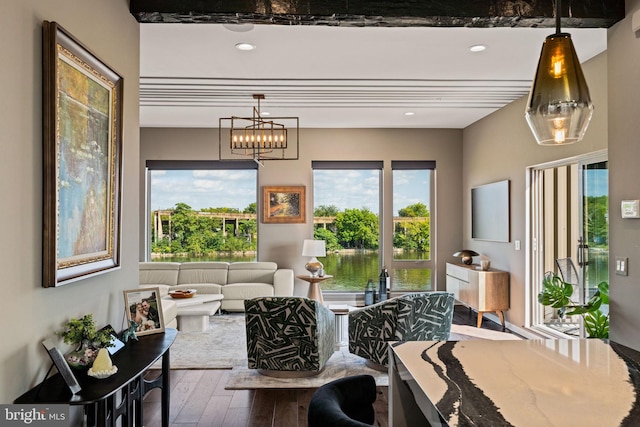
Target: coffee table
193, 313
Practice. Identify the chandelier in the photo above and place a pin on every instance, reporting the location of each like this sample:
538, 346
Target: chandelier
559, 107
258, 138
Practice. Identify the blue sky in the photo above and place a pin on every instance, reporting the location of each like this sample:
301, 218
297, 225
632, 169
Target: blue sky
237, 188
597, 182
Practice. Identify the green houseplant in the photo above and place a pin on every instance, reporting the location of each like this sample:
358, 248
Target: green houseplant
556, 293
87, 339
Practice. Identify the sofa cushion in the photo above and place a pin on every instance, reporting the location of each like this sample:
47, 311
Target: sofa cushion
203, 272
244, 291
252, 272
159, 273
164, 289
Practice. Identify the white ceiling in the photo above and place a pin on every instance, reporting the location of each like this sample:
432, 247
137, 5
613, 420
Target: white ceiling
191, 74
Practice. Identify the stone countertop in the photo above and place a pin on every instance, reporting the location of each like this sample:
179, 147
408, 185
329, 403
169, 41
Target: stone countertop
573, 382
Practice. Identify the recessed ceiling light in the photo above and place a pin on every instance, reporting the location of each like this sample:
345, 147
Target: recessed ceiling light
477, 48
265, 113
245, 46
409, 113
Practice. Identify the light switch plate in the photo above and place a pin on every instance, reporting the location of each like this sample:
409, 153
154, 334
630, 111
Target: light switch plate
630, 208
622, 266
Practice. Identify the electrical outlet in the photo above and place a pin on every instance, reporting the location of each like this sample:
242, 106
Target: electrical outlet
517, 245
622, 266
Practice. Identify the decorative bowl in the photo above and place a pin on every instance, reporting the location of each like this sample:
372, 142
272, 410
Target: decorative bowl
102, 374
182, 293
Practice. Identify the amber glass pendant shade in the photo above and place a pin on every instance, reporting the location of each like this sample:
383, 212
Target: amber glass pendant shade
559, 107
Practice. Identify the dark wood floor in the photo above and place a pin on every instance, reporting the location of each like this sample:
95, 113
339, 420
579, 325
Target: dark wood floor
198, 398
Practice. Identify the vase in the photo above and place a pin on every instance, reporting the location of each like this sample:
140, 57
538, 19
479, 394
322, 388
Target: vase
81, 358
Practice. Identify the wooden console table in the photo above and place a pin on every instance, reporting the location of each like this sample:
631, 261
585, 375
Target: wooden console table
120, 395
484, 291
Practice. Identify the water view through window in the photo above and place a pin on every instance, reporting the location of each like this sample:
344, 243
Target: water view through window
211, 215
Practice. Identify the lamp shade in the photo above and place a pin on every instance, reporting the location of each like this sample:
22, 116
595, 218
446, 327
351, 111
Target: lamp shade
466, 255
313, 248
559, 107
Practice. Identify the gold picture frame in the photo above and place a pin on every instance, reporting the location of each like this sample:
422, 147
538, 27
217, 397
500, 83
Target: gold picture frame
82, 158
144, 306
283, 205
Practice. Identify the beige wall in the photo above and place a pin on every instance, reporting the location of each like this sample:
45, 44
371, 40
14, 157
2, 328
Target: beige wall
282, 243
28, 312
624, 176
501, 146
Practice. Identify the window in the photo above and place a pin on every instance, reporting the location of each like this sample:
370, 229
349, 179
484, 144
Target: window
201, 211
346, 212
412, 224
350, 210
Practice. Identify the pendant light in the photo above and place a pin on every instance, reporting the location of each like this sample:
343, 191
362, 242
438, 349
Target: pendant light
559, 107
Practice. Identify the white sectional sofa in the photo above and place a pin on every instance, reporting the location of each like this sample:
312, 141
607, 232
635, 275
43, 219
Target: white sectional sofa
236, 281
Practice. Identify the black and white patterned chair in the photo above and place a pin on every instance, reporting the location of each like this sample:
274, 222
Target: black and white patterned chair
411, 317
288, 336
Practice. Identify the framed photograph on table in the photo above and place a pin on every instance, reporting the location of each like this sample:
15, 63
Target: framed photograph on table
82, 138
144, 307
283, 205
61, 365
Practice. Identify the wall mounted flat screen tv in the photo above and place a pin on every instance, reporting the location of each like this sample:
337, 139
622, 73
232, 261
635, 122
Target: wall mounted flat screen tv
490, 212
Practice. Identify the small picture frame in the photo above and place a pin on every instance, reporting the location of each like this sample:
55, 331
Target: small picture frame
61, 365
283, 205
144, 307
116, 344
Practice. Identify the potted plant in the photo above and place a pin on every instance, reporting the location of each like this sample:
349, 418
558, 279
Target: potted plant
88, 340
557, 293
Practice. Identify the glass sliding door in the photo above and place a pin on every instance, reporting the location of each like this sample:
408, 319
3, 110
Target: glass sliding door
568, 225
594, 248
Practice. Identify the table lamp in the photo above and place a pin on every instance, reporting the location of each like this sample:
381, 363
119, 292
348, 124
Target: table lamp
313, 249
466, 255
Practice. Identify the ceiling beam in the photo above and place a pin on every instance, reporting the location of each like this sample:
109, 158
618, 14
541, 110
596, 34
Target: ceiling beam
386, 13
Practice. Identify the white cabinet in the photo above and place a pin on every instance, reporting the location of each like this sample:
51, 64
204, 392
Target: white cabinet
483, 291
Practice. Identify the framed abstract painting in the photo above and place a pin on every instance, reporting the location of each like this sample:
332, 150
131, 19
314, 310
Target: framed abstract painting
82, 132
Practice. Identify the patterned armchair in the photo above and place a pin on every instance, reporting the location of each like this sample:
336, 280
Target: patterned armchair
288, 336
412, 317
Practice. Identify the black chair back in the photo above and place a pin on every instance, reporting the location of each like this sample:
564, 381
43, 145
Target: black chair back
346, 402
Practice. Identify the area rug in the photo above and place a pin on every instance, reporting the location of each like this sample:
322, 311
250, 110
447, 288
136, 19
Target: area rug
223, 346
